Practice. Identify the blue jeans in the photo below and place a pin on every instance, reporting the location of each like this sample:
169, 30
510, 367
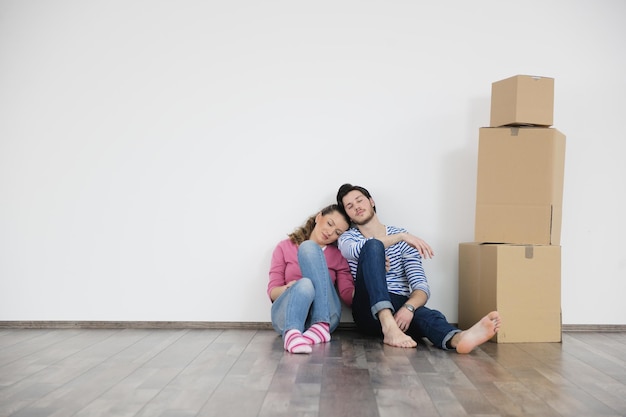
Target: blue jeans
312, 299
371, 296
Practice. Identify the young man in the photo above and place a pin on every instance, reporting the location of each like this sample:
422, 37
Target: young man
391, 289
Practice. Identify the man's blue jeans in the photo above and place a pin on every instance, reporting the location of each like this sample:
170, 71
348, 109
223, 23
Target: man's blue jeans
371, 296
312, 299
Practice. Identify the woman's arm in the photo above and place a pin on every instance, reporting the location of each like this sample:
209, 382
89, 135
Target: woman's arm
277, 283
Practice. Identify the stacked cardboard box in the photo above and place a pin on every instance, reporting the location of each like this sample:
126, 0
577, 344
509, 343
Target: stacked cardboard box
514, 264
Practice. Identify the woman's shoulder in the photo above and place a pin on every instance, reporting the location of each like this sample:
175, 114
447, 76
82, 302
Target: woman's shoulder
286, 243
285, 249
334, 258
332, 251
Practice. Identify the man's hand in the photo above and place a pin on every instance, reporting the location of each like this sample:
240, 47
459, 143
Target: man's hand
403, 318
422, 247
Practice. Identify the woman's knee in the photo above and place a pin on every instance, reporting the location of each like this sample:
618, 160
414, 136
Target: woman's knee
308, 248
304, 288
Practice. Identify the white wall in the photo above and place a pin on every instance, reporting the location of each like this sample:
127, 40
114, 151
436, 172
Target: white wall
152, 153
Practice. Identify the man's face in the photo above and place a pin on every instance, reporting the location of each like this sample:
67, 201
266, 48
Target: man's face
359, 208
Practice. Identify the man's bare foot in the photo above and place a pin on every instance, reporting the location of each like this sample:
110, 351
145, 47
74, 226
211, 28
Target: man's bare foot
393, 336
478, 334
397, 338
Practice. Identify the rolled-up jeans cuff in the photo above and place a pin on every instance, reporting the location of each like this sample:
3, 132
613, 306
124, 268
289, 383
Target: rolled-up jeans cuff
444, 343
381, 305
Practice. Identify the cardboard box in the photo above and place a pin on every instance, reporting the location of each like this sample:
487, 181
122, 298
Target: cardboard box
521, 282
522, 100
519, 190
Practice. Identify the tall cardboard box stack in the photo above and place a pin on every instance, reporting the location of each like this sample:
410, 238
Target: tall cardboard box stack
514, 263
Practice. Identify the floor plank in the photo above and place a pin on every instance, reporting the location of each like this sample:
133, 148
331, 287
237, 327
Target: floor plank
245, 372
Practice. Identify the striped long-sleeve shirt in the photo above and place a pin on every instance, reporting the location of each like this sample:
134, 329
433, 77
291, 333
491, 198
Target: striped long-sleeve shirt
405, 274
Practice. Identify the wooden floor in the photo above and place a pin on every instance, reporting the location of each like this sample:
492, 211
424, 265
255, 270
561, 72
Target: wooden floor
210, 372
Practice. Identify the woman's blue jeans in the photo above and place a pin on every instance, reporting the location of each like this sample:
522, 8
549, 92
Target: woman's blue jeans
312, 299
371, 296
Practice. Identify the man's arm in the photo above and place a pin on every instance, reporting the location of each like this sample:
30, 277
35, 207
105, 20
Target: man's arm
417, 299
404, 315
422, 247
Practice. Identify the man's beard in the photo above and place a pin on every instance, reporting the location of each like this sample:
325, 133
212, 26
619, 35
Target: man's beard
363, 221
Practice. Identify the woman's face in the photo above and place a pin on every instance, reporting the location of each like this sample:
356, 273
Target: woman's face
328, 228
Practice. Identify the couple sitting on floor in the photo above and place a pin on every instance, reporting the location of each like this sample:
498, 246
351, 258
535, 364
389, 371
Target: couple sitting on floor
376, 269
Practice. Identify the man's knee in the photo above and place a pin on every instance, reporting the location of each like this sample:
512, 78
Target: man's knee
373, 247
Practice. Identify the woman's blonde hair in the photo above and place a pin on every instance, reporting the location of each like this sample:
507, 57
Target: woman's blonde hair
303, 232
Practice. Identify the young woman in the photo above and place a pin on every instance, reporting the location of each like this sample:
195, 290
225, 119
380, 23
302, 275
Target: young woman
304, 270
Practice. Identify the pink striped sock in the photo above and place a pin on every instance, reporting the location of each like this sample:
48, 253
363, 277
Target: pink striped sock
318, 333
295, 343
